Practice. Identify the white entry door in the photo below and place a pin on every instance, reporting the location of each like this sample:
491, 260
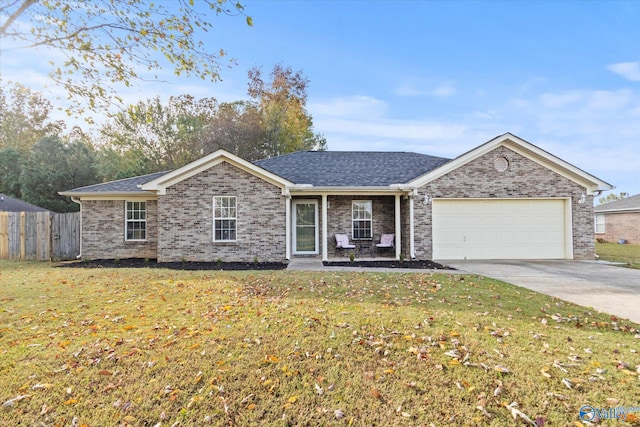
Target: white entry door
305, 227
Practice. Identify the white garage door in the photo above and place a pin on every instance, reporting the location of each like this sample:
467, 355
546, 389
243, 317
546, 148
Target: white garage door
501, 229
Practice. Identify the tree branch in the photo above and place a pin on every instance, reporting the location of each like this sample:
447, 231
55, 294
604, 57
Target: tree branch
15, 15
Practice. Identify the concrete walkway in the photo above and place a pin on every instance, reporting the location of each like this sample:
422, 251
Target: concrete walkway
607, 288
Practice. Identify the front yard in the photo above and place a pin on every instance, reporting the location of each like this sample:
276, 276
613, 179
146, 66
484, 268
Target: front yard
98, 347
629, 254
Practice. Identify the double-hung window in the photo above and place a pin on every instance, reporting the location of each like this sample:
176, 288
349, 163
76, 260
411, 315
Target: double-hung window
361, 219
224, 218
599, 223
136, 223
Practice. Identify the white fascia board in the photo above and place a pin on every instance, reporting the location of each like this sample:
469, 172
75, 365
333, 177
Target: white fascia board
523, 148
122, 195
626, 210
161, 184
307, 190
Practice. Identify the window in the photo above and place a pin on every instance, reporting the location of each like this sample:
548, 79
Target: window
136, 224
599, 223
224, 219
361, 219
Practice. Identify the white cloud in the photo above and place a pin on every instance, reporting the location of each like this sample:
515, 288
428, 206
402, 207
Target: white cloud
444, 91
562, 99
628, 70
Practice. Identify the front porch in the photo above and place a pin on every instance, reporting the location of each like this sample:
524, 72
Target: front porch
313, 220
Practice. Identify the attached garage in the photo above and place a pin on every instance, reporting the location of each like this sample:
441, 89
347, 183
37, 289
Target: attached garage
502, 229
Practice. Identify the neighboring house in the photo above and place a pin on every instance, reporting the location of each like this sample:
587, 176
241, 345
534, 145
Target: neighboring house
619, 220
10, 204
505, 199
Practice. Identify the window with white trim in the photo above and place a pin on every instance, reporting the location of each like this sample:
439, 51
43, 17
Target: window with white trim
224, 218
361, 219
599, 223
136, 221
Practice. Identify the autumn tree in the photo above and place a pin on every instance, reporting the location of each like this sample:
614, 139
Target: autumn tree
612, 197
103, 43
282, 103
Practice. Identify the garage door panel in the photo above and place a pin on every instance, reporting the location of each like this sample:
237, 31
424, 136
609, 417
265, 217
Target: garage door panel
499, 229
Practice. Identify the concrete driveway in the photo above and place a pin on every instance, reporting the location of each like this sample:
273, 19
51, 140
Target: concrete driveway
607, 288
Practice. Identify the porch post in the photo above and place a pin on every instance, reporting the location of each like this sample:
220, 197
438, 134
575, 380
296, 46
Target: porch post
287, 226
324, 228
398, 228
412, 249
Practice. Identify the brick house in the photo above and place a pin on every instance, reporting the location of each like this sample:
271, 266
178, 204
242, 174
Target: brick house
619, 220
505, 199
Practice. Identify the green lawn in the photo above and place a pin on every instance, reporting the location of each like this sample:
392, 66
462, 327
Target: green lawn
629, 254
103, 347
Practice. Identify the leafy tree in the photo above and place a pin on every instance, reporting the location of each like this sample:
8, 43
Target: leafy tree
151, 136
237, 128
10, 167
282, 104
24, 117
106, 42
55, 165
612, 197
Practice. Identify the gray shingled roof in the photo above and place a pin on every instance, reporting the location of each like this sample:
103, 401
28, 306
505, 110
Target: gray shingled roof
10, 204
628, 203
349, 168
127, 185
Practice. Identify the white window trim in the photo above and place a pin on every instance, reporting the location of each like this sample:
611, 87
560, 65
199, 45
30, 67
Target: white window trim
213, 204
603, 224
370, 220
127, 220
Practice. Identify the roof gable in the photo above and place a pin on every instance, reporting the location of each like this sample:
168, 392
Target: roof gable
526, 149
126, 186
631, 203
349, 168
160, 184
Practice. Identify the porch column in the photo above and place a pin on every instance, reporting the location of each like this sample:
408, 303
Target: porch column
398, 228
325, 252
412, 246
287, 226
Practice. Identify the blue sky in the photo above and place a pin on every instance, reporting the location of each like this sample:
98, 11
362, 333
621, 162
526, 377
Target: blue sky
442, 77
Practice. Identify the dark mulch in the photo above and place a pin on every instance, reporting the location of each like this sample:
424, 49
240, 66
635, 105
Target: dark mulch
417, 264
141, 263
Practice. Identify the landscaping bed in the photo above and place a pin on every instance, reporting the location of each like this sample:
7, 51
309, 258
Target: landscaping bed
415, 264
187, 265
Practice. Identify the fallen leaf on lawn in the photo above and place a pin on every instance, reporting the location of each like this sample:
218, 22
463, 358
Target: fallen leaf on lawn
338, 414
11, 402
42, 386
71, 401
105, 373
375, 393
545, 372
612, 401
45, 409
247, 398
498, 389
319, 390
567, 382
517, 413
502, 369
292, 399
484, 411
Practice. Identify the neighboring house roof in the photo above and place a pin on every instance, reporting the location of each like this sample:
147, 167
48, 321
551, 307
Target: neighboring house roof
121, 186
631, 203
10, 204
350, 168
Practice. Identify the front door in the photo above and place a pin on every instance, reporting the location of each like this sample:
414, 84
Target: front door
305, 230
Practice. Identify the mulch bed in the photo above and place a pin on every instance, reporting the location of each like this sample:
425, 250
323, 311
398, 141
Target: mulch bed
152, 263
417, 264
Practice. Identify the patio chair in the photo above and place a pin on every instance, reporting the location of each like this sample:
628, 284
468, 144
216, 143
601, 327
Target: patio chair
342, 242
386, 241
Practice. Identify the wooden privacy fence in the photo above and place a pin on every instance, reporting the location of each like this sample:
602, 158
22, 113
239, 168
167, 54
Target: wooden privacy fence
40, 236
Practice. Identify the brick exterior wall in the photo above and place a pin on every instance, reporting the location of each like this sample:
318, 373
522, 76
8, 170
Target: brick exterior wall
339, 220
622, 225
185, 218
103, 231
523, 178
